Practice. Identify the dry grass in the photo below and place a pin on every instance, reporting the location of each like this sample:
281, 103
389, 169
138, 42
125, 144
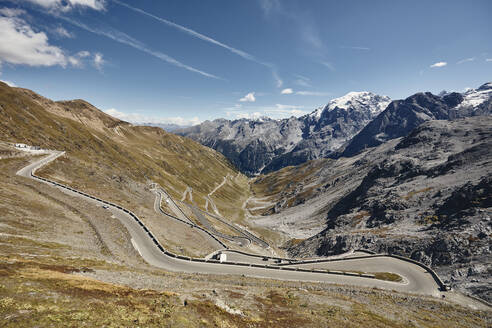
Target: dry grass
296, 241
358, 218
56, 295
283, 184
285, 179
415, 192
389, 276
380, 232
428, 219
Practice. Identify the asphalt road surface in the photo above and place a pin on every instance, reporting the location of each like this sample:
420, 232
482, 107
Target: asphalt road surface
416, 280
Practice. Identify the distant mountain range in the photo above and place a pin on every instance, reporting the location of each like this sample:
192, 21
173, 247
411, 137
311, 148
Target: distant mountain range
402, 116
344, 127
265, 145
169, 127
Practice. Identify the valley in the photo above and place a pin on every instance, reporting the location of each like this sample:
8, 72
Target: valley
273, 226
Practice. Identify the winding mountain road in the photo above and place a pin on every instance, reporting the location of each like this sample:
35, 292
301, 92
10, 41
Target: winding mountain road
416, 278
162, 194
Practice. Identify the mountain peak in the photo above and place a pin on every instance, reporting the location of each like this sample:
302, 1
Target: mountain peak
475, 97
363, 101
486, 86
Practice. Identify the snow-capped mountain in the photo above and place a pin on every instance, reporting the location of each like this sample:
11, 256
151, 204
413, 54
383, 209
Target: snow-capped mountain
265, 145
476, 101
402, 116
362, 101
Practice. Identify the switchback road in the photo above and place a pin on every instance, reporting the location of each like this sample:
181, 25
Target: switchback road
416, 279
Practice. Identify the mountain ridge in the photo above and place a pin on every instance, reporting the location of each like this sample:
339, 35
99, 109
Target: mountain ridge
402, 116
344, 127
265, 145
426, 196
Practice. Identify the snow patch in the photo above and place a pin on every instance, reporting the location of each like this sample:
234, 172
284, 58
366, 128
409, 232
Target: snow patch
362, 101
474, 98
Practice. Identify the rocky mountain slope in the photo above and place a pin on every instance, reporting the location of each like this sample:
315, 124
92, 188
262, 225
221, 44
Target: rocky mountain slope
266, 145
427, 196
402, 116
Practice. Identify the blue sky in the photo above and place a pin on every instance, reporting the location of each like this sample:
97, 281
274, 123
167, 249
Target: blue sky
187, 61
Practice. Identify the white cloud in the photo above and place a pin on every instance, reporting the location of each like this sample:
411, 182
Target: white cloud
21, 45
82, 57
9, 83
139, 118
74, 61
11, 12
466, 60
438, 64
356, 48
287, 91
310, 34
285, 107
250, 97
83, 54
249, 116
233, 110
488, 59
278, 80
277, 111
269, 6
98, 60
313, 93
328, 65
295, 112
302, 81
281, 111
66, 5
62, 32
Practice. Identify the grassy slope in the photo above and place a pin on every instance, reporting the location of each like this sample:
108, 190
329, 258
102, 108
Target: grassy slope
114, 159
140, 153
282, 184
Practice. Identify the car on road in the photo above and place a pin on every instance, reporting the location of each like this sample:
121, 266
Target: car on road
105, 207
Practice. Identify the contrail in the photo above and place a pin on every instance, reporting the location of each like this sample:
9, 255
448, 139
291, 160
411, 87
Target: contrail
189, 31
128, 40
200, 36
